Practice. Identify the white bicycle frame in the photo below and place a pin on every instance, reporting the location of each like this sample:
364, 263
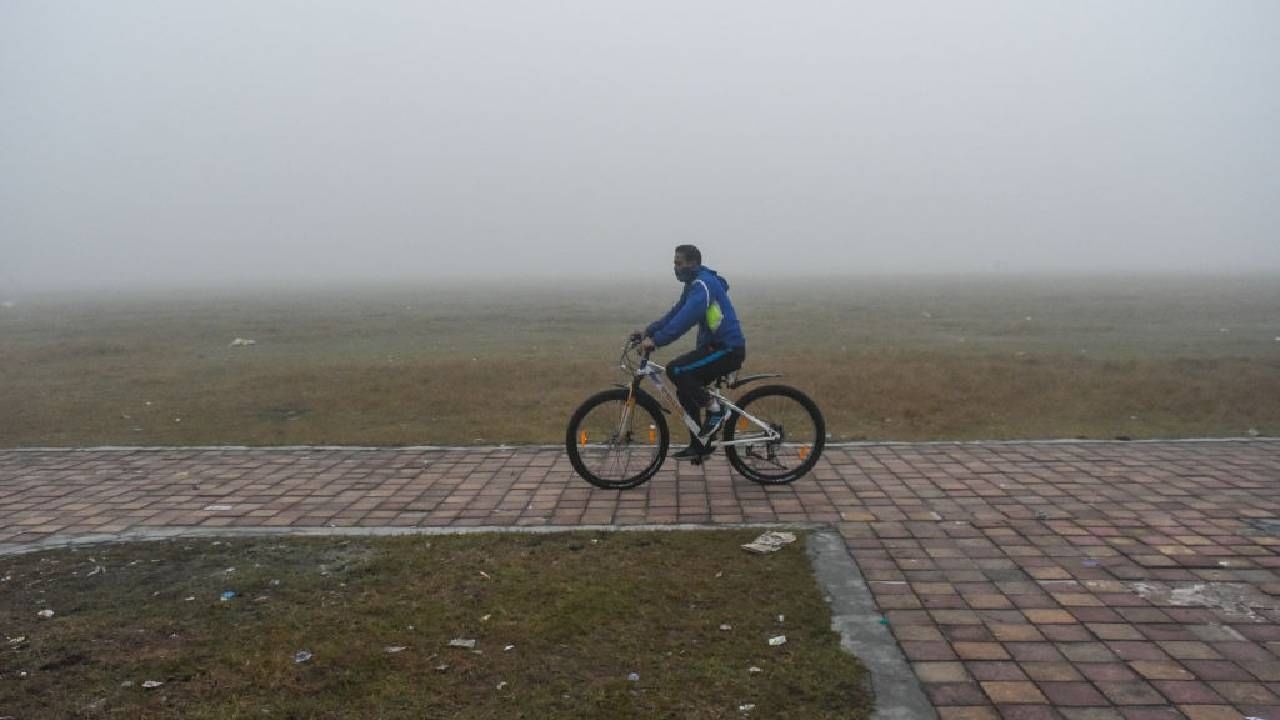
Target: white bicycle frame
654, 372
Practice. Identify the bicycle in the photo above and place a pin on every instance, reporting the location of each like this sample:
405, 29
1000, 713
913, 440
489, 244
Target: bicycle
773, 434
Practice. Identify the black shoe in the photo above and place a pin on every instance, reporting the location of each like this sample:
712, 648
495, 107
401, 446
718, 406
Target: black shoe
693, 451
711, 425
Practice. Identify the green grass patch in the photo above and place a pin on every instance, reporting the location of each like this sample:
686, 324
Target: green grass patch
560, 622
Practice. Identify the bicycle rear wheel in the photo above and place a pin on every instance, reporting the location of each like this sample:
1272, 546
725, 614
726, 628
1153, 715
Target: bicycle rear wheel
791, 414
615, 447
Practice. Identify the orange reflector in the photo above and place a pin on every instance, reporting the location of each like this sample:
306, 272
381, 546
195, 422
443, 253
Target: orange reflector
804, 452
582, 438
743, 424
653, 435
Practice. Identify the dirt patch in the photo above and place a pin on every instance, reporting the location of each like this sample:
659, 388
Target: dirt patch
1238, 599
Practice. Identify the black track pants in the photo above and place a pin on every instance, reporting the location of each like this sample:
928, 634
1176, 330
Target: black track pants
692, 371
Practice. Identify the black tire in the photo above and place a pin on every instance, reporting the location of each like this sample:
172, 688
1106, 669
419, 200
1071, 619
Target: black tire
644, 406
743, 457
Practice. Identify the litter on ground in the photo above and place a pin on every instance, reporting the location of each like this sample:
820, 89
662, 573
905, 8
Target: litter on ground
768, 542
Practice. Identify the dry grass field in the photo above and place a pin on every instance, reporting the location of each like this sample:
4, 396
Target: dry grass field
454, 363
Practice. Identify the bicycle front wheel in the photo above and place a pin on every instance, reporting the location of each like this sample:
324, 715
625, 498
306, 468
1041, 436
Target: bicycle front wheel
801, 431
616, 446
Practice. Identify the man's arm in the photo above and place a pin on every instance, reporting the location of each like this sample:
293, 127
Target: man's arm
652, 327
680, 319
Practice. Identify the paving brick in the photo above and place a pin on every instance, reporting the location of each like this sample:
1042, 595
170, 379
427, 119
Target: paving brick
1143, 615
1217, 670
1244, 693
1115, 631
1107, 672
1015, 633
980, 651
988, 602
925, 650
967, 633
1158, 670
1049, 573
1188, 650
1243, 651
1066, 633
1072, 694
1267, 670
940, 672
987, 670
1096, 615
1033, 651
955, 617
955, 694
1077, 600
1047, 616
1013, 692
1130, 693
1051, 671
917, 632
1129, 650
1191, 692
1214, 633
1083, 652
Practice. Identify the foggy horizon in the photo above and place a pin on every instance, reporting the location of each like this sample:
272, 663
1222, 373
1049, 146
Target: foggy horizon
155, 145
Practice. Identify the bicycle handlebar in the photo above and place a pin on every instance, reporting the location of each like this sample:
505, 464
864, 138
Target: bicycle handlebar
630, 345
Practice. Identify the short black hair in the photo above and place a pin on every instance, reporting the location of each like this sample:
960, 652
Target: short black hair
690, 252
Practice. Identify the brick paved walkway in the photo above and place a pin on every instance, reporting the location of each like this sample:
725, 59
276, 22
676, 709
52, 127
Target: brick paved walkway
1023, 581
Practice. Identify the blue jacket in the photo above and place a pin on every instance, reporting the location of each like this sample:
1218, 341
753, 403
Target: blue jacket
705, 303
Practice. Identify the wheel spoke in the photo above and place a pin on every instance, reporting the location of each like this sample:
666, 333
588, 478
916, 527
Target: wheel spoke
612, 455
798, 433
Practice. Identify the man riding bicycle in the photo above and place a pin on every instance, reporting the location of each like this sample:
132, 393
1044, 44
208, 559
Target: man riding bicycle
720, 348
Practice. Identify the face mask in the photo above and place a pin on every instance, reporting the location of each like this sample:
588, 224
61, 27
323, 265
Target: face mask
684, 275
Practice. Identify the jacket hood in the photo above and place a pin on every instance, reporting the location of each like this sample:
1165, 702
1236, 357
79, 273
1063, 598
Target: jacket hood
705, 273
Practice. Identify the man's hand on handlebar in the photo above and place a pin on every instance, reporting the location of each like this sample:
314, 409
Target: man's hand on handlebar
645, 343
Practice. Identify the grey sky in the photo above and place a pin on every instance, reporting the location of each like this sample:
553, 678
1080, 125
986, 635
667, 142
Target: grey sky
247, 141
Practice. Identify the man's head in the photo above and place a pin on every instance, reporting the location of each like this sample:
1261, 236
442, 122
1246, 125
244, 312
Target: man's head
688, 260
